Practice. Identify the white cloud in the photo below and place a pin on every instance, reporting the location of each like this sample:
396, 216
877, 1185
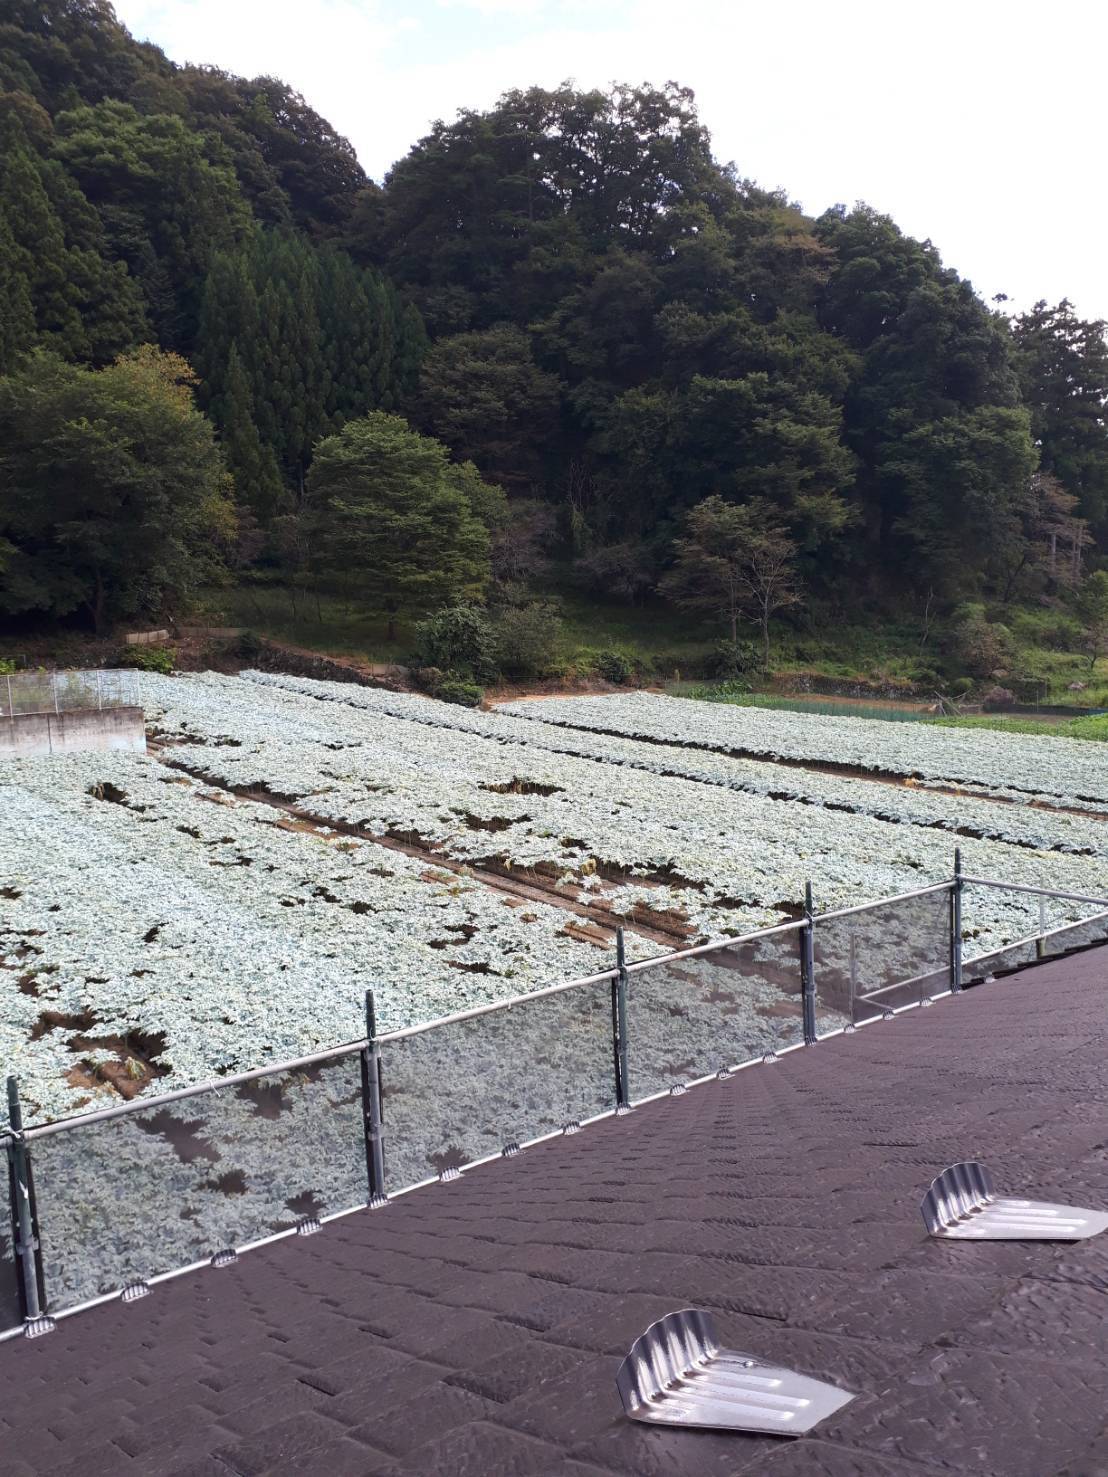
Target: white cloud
974, 124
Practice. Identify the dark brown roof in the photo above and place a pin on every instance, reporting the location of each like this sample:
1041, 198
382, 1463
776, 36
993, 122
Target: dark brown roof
474, 1329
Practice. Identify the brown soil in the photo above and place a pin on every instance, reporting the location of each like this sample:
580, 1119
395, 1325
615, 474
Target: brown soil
538, 885
845, 771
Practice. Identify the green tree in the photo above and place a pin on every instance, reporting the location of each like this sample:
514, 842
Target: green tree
167, 197
734, 561
948, 480
1062, 363
1092, 611
113, 495
484, 395
58, 289
257, 479
320, 341
396, 523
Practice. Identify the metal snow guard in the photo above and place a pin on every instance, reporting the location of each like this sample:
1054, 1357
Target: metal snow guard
961, 1205
677, 1374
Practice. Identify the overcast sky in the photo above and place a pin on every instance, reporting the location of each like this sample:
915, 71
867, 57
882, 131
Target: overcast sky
978, 123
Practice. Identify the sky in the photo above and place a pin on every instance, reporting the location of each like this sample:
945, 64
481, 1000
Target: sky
975, 123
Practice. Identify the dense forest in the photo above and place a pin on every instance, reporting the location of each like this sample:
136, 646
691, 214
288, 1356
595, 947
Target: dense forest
563, 319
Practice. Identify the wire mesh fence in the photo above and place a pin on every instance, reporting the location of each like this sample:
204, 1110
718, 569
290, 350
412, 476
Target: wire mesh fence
22, 693
142, 1190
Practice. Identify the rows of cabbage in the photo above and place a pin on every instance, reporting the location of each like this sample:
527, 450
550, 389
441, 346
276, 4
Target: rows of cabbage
725, 860
138, 905
964, 814
1008, 765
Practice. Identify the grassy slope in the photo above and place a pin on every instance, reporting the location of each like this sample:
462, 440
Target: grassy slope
657, 636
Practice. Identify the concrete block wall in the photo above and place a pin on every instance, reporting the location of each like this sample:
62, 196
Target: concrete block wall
79, 730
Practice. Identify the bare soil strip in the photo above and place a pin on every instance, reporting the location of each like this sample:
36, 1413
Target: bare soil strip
599, 922
844, 771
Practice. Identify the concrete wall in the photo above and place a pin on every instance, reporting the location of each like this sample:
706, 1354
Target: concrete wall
80, 730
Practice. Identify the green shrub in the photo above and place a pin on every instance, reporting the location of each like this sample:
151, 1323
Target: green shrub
615, 665
527, 638
983, 648
722, 692
729, 659
7, 665
458, 638
149, 658
961, 685
455, 689
249, 645
428, 679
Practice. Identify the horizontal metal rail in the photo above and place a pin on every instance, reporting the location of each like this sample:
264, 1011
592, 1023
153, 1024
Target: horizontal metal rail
885, 902
714, 948
1071, 897
1035, 938
916, 979
176, 1095
350, 1048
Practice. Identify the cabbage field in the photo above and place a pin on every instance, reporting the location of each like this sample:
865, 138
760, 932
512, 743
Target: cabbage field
226, 899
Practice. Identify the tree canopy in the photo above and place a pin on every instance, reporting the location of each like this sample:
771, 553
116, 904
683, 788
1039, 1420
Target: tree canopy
568, 290
113, 496
396, 521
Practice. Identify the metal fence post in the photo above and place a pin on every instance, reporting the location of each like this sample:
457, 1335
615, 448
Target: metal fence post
956, 925
1040, 942
853, 975
619, 1027
25, 1222
371, 1108
808, 969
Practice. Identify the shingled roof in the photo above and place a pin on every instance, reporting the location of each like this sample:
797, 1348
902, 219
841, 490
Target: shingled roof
474, 1328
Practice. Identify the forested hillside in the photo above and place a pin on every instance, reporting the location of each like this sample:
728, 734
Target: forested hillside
679, 380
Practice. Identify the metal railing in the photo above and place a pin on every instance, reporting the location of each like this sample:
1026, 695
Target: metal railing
22, 693
276, 1151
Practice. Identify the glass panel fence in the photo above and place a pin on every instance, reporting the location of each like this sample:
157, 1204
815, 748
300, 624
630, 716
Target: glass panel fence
689, 1017
1022, 928
892, 954
157, 1189
10, 1316
463, 1090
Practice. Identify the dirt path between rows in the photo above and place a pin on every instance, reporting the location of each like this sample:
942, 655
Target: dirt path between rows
842, 771
599, 923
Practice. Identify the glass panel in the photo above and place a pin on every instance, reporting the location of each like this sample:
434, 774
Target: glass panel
892, 954
159, 1188
1038, 928
10, 1316
1011, 956
689, 1017
463, 1090
1093, 930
